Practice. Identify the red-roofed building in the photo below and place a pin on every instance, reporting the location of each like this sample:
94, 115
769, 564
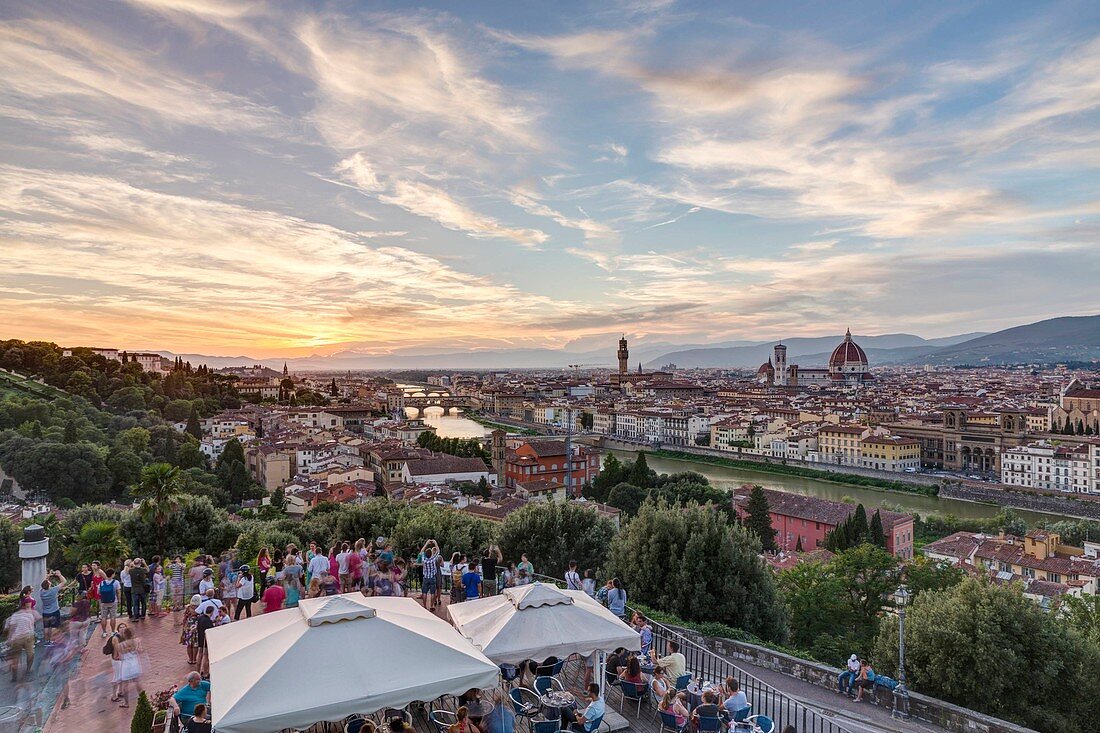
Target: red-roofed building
809, 519
544, 460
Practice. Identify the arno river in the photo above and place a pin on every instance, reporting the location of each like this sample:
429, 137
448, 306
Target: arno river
457, 426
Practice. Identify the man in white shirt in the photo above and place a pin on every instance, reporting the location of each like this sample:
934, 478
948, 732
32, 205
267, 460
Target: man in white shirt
207, 582
673, 663
208, 602
572, 577
318, 564
342, 563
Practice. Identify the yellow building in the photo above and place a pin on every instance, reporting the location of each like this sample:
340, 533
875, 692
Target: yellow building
840, 443
889, 453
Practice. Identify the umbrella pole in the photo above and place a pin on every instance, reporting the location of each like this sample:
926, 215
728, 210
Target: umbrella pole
601, 670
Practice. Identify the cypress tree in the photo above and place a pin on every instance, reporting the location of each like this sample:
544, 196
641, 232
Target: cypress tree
759, 520
639, 472
193, 426
859, 526
878, 534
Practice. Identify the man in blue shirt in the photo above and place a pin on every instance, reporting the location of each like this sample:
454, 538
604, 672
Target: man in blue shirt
51, 609
471, 581
589, 720
197, 690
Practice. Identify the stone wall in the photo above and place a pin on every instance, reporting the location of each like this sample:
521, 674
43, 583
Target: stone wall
1083, 506
947, 716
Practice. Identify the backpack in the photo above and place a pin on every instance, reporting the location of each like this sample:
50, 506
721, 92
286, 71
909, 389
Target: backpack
109, 648
107, 591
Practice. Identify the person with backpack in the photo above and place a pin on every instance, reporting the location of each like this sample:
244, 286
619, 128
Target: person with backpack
109, 591
572, 577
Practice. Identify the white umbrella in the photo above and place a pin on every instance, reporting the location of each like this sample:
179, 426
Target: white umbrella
335, 656
537, 621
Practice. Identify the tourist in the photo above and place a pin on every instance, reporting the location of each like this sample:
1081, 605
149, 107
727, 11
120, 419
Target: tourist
292, 568
318, 563
200, 722
360, 725
398, 725
310, 554
114, 644
457, 570
222, 617
195, 573
489, 562
659, 683
632, 672
127, 588
315, 590
614, 664
342, 568
429, 569
329, 584
865, 680
522, 578
109, 591
84, 578
28, 594
501, 719
274, 596
589, 583
471, 582
188, 697
292, 589
462, 722
845, 679
673, 662
381, 583
207, 582
572, 577
79, 618
189, 630
526, 566
246, 593
674, 703
735, 701
263, 562
645, 631
51, 609
616, 598
129, 666
203, 623
229, 588
333, 563
508, 577
209, 599
160, 586
139, 591
708, 708
400, 573
588, 720
386, 555
278, 561
19, 630
175, 585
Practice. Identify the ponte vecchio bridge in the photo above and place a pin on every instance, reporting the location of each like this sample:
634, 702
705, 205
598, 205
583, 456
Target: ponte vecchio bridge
421, 398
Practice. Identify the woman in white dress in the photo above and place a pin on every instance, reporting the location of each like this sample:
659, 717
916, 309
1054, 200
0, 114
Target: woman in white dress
129, 667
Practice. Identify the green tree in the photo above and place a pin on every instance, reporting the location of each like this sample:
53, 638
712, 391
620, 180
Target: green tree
58, 470
639, 472
11, 569
692, 563
484, 489
158, 494
859, 529
125, 467
612, 473
194, 428
758, 518
877, 535
923, 574
71, 434
196, 524
553, 533
822, 619
868, 574
967, 645
142, 722
177, 410
135, 440
98, 541
1082, 614
190, 456
627, 498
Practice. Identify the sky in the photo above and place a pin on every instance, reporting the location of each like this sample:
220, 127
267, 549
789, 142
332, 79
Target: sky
282, 179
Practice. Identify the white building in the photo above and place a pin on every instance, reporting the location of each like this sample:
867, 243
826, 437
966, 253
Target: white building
1044, 465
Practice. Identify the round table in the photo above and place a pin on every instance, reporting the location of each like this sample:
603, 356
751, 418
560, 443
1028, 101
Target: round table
479, 708
695, 692
553, 703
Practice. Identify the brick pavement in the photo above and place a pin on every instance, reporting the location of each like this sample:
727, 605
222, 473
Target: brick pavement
164, 663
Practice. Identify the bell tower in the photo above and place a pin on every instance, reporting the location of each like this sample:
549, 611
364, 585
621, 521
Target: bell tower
781, 376
624, 356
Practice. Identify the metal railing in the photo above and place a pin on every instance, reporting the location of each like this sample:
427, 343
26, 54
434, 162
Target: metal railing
706, 666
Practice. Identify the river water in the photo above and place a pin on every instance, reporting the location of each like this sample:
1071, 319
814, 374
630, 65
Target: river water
458, 426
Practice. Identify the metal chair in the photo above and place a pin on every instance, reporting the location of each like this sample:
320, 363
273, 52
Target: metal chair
509, 672
354, 723
740, 716
668, 722
544, 685
709, 724
546, 726
632, 691
683, 681
558, 667
761, 723
525, 703
443, 719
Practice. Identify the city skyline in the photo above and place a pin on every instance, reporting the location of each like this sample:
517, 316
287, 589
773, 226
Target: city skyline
234, 178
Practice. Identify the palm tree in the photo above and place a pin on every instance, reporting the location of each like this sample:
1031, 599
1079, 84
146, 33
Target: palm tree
99, 541
159, 494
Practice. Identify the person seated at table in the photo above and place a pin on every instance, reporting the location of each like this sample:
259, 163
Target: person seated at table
673, 662
614, 664
398, 725
587, 720
470, 696
632, 672
706, 709
736, 700
462, 724
659, 683
501, 719
675, 703
199, 722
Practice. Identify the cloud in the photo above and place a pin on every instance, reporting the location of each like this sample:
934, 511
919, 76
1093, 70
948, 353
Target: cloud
611, 152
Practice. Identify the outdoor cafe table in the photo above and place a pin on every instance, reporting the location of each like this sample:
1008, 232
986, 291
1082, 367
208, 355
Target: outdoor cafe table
695, 692
554, 702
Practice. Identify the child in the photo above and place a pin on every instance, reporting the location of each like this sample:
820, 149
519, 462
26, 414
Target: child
159, 586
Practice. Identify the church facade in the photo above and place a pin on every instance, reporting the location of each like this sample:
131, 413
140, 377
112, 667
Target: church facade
847, 367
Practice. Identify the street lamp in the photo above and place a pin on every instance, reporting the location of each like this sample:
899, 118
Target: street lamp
901, 693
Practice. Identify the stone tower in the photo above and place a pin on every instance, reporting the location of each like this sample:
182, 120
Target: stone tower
781, 365
33, 550
624, 355
497, 452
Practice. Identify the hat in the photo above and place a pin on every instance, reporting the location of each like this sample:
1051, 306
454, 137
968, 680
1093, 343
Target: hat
208, 571
196, 599
853, 658
244, 568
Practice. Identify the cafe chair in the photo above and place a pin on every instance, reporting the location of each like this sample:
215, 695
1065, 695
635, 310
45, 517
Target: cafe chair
633, 692
709, 724
544, 685
546, 726
443, 719
668, 722
761, 723
683, 681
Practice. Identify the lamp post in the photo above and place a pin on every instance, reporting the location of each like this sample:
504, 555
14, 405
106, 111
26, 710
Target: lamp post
901, 693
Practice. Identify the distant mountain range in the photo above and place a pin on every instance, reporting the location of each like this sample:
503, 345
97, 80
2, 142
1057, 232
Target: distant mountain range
1050, 341
1071, 338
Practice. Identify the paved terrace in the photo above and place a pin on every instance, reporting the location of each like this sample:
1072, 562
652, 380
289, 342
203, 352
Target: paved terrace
808, 707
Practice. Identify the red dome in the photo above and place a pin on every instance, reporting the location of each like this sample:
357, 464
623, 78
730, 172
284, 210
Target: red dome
848, 354
766, 368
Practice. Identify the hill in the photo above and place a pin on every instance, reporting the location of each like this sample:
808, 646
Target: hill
1070, 338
